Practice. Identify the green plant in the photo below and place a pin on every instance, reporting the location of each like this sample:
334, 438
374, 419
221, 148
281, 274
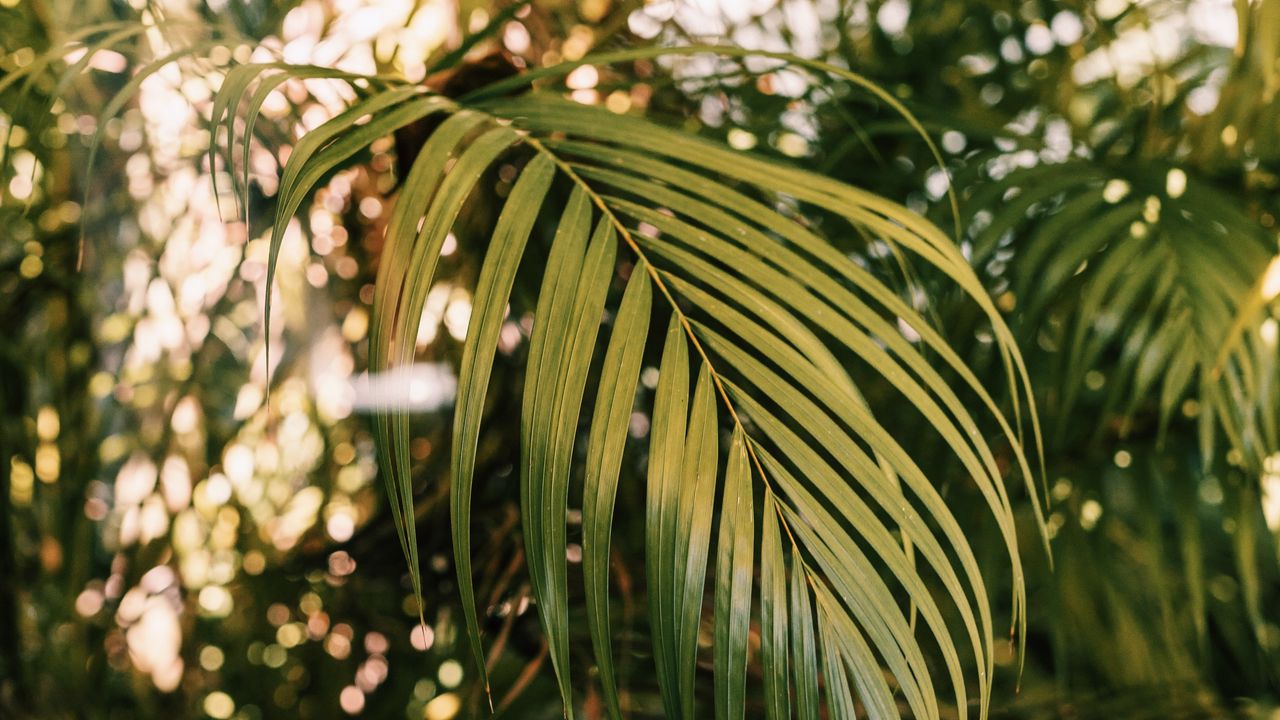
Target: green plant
780, 289
766, 311
821, 377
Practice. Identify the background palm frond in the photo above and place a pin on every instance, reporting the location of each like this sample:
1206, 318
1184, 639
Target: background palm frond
1139, 270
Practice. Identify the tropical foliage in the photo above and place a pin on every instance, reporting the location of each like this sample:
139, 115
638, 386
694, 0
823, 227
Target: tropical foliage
713, 284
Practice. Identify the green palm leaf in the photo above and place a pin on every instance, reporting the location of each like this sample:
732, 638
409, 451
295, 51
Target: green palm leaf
761, 307
568, 316
773, 615
496, 279
734, 571
1142, 263
619, 375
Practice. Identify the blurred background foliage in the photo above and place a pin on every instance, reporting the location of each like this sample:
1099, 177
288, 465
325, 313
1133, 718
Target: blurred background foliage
178, 542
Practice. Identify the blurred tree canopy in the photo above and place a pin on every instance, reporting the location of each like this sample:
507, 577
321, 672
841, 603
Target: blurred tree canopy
189, 531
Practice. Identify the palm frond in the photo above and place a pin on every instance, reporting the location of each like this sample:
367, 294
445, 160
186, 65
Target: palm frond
759, 306
1151, 267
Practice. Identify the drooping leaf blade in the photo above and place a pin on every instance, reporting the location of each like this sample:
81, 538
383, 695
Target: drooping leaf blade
510, 235
774, 657
734, 573
611, 419
666, 455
